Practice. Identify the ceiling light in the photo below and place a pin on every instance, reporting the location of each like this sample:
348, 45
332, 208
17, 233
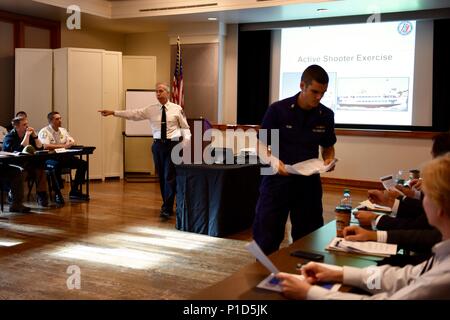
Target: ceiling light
212, 19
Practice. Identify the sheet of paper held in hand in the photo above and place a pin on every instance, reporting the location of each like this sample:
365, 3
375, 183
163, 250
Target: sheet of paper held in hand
390, 184
272, 283
310, 167
364, 247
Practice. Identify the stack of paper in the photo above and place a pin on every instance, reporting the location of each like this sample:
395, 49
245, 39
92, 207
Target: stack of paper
309, 167
367, 247
373, 207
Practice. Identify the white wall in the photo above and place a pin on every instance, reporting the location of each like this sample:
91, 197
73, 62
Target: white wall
151, 44
229, 89
369, 158
91, 38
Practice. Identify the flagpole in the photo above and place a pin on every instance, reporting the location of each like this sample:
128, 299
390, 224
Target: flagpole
177, 82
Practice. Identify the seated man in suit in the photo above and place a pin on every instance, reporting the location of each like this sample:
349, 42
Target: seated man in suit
411, 239
20, 137
53, 137
407, 211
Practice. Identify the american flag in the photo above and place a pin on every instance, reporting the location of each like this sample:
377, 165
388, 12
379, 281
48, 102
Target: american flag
177, 83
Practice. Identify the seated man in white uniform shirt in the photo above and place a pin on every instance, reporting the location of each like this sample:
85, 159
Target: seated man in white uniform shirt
53, 137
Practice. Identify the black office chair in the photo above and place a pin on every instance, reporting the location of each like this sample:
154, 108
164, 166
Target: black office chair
1, 196
32, 183
51, 180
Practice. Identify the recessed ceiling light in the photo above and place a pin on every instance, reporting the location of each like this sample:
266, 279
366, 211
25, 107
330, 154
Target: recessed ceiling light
212, 19
322, 10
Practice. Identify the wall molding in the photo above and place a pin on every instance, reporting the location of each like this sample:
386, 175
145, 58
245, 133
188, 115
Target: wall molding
386, 133
427, 135
362, 184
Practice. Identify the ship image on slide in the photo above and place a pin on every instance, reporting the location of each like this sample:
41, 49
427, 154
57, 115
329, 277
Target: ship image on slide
385, 94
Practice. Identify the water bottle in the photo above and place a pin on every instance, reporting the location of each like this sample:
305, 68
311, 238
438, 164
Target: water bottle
400, 177
343, 213
414, 174
346, 200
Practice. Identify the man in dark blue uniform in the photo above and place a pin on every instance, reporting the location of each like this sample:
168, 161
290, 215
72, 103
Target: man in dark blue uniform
304, 124
20, 137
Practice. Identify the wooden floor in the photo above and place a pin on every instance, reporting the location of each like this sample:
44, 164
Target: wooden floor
118, 246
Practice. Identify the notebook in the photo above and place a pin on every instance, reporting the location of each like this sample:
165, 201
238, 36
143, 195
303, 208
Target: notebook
371, 248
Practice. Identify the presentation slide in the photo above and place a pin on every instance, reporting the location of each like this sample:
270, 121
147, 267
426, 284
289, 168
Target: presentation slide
370, 65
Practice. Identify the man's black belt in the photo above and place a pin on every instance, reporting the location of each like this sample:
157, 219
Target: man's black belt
166, 141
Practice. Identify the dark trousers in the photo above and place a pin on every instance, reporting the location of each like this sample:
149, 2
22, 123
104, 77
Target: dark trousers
166, 172
56, 167
11, 178
299, 196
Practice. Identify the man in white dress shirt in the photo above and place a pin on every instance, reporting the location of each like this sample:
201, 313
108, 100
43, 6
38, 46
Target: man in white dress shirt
164, 140
53, 137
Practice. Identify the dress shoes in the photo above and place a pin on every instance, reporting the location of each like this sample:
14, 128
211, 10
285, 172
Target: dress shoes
19, 208
9, 199
164, 215
42, 199
59, 199
77, 195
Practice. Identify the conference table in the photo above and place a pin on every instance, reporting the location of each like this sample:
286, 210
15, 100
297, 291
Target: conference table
216, 199
242, 284
22, 159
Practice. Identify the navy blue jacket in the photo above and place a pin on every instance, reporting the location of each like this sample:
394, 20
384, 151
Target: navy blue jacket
301, 132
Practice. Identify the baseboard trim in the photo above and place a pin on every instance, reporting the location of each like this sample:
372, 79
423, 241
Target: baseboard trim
140, 177
363, 184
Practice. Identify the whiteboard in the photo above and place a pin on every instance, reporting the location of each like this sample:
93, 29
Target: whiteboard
135, 99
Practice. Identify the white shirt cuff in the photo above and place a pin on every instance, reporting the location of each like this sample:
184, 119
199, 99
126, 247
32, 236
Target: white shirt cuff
353, 276
375, 222
316, 293
382, 236
395, 208
417, 194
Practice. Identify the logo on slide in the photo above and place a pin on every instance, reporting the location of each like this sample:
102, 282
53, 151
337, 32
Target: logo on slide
404, 28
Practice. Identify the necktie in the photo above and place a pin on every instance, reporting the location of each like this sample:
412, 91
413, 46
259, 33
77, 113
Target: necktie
163, 124
428, 265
